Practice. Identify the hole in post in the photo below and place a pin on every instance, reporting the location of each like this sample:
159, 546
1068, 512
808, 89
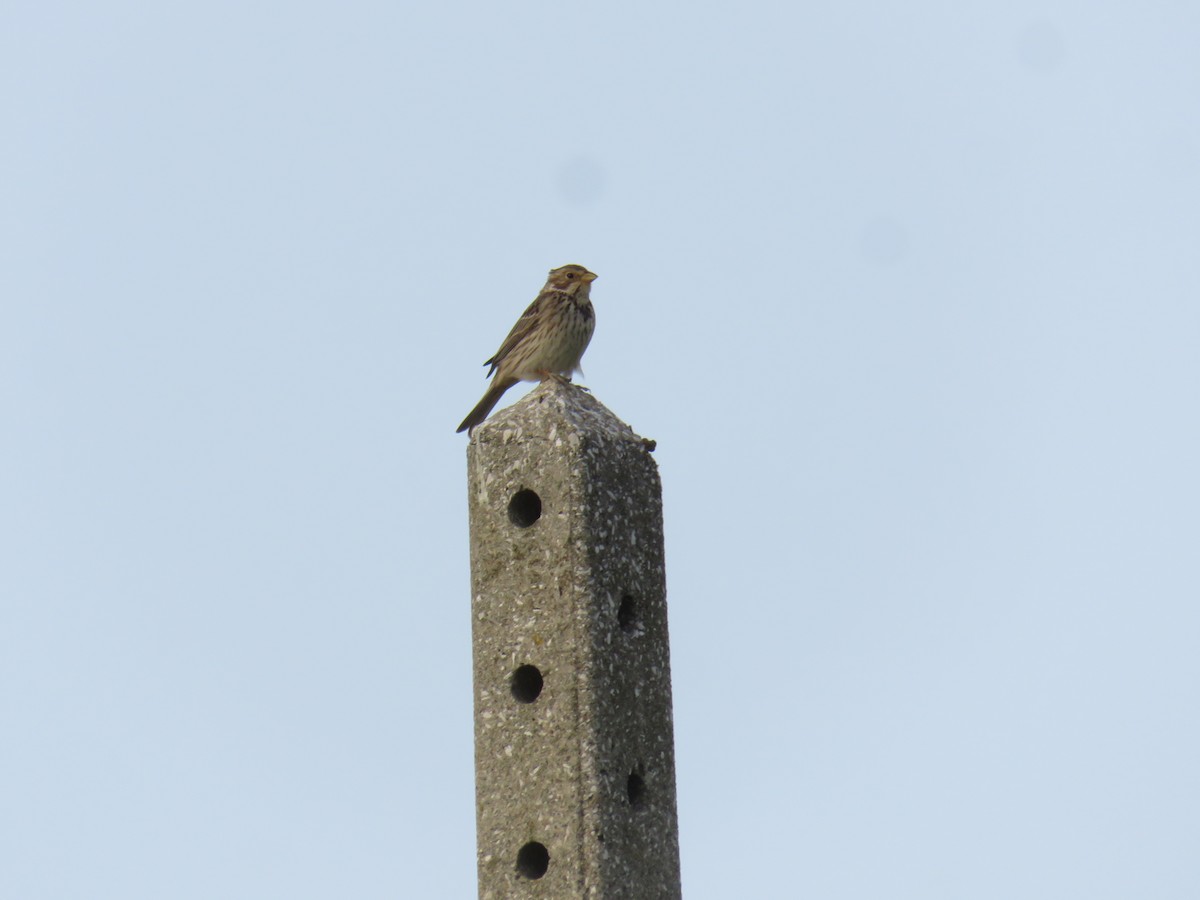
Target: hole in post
635, 787
526, 684
533, 860
524, 508
627, 614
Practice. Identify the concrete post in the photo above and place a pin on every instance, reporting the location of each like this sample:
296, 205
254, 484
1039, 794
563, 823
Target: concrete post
574, 750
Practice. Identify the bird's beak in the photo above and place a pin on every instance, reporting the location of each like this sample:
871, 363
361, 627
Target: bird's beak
590, 277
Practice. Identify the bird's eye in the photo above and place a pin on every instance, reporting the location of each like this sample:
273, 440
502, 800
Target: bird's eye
570, 275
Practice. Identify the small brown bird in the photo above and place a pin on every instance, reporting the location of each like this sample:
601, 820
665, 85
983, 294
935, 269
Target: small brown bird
547, 342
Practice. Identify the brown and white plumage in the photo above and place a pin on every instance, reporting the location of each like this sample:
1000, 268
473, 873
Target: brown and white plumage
547, 342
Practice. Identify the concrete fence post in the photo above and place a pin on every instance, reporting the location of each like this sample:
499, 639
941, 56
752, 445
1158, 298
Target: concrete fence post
574, 747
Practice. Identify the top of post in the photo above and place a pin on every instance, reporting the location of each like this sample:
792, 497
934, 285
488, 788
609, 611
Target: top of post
554, 411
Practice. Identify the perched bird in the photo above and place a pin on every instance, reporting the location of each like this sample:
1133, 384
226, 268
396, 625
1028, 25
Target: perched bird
547, 342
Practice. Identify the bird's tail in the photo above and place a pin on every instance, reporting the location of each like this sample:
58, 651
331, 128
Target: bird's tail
484, 406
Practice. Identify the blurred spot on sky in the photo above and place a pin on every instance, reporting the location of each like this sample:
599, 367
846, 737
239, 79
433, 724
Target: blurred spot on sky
883, 242
582, 181
1040, 46
1179, 154
987, 158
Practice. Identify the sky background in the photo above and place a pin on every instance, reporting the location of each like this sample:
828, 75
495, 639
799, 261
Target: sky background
906, 293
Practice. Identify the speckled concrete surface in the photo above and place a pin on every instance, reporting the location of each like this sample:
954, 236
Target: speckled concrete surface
586, 767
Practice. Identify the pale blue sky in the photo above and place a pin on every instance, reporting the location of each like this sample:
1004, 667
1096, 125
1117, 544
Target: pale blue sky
907, 293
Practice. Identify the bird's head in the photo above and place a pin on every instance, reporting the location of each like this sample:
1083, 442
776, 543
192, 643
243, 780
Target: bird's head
571, 278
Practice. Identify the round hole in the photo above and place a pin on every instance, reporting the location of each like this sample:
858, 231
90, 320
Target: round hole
627, 614
526, 684
635, 787
524, 508
533, 860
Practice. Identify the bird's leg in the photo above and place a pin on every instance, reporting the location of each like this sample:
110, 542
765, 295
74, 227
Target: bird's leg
561, 379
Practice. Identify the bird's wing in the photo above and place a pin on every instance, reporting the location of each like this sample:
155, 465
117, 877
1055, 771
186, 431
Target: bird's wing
523, 327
